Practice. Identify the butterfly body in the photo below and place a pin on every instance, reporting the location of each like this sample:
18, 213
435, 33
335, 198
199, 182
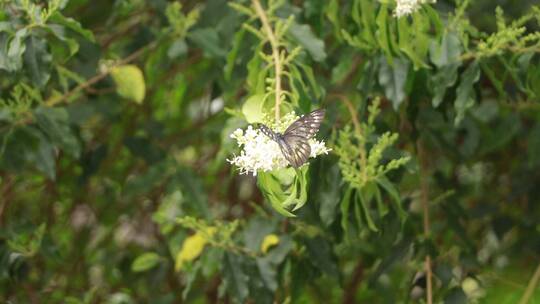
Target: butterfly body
293, 142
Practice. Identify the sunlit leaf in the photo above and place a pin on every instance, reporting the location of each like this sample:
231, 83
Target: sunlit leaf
130, 83
253, 109
192, 248
268, 242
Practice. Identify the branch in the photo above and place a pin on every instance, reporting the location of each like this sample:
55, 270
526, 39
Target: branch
424, 188
6, 192
87, 84
275, 52
350, 290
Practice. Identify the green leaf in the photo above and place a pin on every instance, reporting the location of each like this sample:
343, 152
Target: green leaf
364, 203
358, 212
382, 32
234, 277
145, 262
394, 195
332, 13
253, 109
301, 184
256, 74
208, 40
190, 277
533, 80
157, 173
73, 25
342, 69
268, 273
305, 37
286, 189
435, 19
143, 147
412, 42
11, 51
60, 32
465, 92
456, 296
501, 134
38, 61
328, 189
320, 253
256, 230
232, 56
393, 78
366, 20
129, 82
447, 52
271, 189
310, 76
28, 243
178, 48
444, 78
55, 123
268, 264
6, 115
345, 206
381, 207
369, 75
45, 157
5, 26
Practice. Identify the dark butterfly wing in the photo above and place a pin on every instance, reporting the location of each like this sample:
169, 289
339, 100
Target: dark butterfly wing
295, 146
307, 125
294, 141
268, 132
295, 149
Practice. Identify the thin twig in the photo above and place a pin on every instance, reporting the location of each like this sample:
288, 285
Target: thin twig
100, 76
533, 282
424, 188
6, 193
275, 52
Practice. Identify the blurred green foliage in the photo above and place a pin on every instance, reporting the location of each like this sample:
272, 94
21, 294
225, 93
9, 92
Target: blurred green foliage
115, 123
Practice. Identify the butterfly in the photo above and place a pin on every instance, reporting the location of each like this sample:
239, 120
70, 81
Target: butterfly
294, 141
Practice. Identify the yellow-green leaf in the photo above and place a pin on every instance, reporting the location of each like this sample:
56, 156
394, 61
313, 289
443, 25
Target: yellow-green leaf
253, 108
268, 242
129, 81
193, 247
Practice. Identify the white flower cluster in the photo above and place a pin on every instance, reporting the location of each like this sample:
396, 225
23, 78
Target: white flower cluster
407, 7
259, 152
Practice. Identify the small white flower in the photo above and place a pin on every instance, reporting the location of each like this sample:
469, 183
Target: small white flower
407, 7
259, 152
317, 148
